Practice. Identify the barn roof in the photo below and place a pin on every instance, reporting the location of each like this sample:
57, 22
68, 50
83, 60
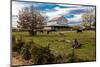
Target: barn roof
57, 21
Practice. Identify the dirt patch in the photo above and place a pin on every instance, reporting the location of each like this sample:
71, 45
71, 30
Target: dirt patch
17, 60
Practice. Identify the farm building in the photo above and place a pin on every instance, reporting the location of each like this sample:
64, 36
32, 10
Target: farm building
58, 23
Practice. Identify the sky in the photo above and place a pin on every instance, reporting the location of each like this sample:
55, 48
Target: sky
71, 12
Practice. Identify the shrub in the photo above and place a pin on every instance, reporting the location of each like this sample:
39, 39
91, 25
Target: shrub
25, 53
17, 44
13, 39
42, 55
61, 58
73, 57
36, 53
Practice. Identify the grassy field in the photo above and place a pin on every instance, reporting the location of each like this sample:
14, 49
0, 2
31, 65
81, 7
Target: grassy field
86, 38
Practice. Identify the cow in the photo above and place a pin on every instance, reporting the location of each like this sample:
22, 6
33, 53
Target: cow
51, 31
79, 30
41, 31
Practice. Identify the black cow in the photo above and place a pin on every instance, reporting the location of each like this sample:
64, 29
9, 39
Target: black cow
41, 31
51, 31
79, 30
48, 31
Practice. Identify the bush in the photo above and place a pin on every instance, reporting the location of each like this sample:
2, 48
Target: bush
13, 39
42, 55
61, 58
36, 53
17, 44
25, 53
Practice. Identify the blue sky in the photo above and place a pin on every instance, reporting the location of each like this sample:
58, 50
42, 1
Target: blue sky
71, 12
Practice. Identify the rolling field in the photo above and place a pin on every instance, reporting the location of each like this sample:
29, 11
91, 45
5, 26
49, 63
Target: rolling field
87, 38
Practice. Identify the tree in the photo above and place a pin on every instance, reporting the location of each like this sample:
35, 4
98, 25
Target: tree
30, 19
94, 24
88, 18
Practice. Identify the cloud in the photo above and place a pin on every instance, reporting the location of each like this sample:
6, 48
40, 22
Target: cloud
16, 6
69, 6
76, 12
72, 12
59, 12
76, 18
14, 21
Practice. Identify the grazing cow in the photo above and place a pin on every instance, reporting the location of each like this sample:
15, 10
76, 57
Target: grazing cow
41, 31
48, 31
51, 31
79, 30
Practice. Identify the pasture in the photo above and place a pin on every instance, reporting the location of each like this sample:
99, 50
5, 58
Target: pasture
87, 38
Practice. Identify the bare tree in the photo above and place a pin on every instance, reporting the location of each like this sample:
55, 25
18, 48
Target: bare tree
30, 19
88, 18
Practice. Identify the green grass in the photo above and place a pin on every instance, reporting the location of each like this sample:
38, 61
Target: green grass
85, 52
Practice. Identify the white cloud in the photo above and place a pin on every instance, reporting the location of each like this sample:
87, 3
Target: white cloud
65, 11
59, 12
77, 18
56, 8
70, 5
16, 6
